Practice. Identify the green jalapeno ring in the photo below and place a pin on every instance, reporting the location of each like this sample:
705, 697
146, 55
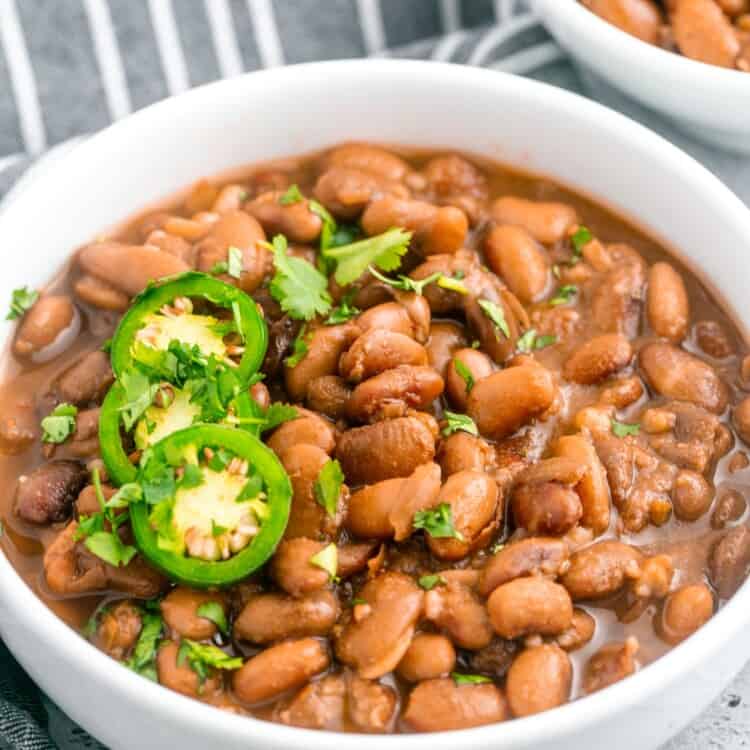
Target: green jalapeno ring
192, 284
205, 573
119, 468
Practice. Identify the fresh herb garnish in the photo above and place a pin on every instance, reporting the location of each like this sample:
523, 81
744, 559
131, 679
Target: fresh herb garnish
214, 612
202, 657
292, 195
469, 679
404, 283
276, 414
496, 547
299, 349
143, 658
299, 287
357, 601
21, 301
458, 422
429, 582
496, 314
437, 522
344, 312
622, 429
59, 424
453, 283
327, 486
139, 394
234, 263
530, 341
383, 250
464, 373
579, 239
564, 295
328, 560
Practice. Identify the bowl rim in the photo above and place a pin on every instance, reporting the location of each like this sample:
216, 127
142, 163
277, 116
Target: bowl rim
648, 55
42, 623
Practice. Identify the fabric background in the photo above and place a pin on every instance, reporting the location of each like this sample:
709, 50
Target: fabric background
70, 67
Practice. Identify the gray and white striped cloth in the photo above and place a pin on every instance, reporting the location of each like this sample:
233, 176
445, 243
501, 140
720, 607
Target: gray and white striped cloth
70, 67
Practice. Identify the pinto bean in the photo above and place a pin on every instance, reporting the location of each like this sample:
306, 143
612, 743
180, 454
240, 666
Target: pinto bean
86, 381
495, 342
580, 632
118, 629
308, 428
428, 657
691, 495
319, 705
729, 561
345, 192
180, 611
601, 570
390, 316
328, 395
436, 230
598, 358
308, 518
640, 18
611, 663
546, 507
454, 181
730, 506
545, 222
741, 419
46, 495
279, 668
593, 488
667, 303
514, 255
367, 158
372, 706
456, 609
385, 450
446, 338
526, 606
325, 345
463, 452
19, 424
268, 618
291, 567
533, 556
394, 392
100, 294
713, 339
616, 301
441, 705
128, 268
678, 375
386, 509
294, 220
504, 401
683, 612
702, 32
180, 676
376, 643
477, 363
48, 320
378, 350
473, 498
539, 679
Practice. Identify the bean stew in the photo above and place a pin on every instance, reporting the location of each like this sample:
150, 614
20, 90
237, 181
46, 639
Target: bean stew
377, 441
716, 32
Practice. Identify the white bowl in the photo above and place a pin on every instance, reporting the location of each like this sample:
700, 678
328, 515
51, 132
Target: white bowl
706, 101
292, 110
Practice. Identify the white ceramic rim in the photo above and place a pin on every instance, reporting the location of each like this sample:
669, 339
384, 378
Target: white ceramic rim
573, 717
660, 61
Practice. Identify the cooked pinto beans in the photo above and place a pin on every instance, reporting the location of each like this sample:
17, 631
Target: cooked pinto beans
514, 255
49, 319
464, 452
729, 561
601, 570
308, 429
292, 569
546, 507
546, 222
683, 612
294, 220
667, 302
177, 675
428, 657
598, 358
479, 366
180, 611
47, 494
610, 664
538, 679
378, 350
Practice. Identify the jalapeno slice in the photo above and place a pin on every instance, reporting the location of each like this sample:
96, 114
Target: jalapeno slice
215, 503
163, 314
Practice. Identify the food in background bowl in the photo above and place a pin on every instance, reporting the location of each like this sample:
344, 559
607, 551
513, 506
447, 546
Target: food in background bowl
476, 443
716, 32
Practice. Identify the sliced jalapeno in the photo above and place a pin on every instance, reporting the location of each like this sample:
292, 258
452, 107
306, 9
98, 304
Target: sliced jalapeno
214, 504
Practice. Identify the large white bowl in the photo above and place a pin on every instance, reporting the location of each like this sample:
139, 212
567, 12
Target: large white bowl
292, 110
706, 101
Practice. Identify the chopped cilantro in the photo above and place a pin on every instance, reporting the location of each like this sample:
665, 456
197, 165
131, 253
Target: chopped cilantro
564, 295
458, 422
327, 486
328, 560
437, 522
139, 394
357, 601
59, 424
464, 373
345, 311
406, 284
452, 283
202, 657
383, 250
299, 349
276, 414
580, 238
530, 341
214, 612
21, 301
292, 195
429, 582
496, 314
469, 679
622, 429
143, 658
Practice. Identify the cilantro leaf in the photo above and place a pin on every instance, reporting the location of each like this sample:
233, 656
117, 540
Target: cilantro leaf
452, 283
469, 679
564, 295
108, 546
202, 657
192, 476
579, 239
531, 342
299, 349
464, 373
429, 582
327, 486
382, 250
437, 522
291, 196
276, 414
405, 283
143, 658
345, 311
622, 429
139, 394
59, 424
158, 485
497, 315
300, 289
21, 301
214, 612
328, 560
128, 493
221, 266
459, 422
